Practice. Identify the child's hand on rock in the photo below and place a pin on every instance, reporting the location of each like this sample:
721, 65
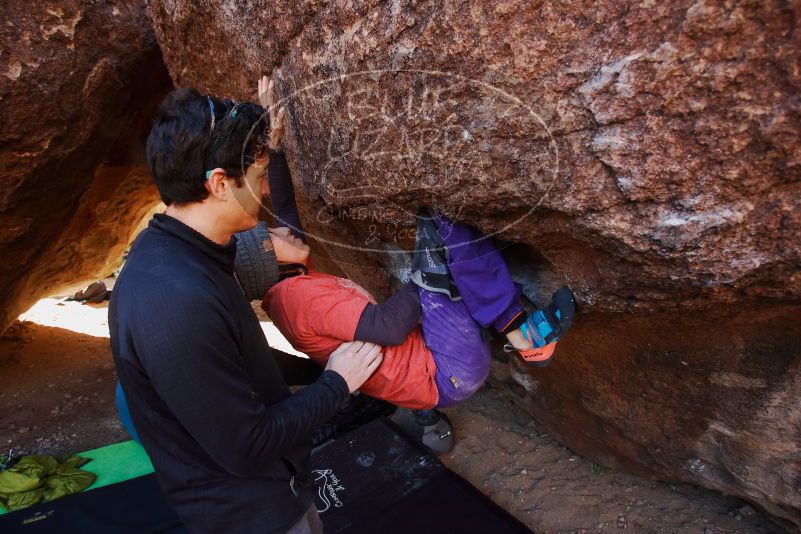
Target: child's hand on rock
276, 114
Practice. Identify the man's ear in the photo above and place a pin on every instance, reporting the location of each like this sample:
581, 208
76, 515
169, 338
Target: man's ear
215, 184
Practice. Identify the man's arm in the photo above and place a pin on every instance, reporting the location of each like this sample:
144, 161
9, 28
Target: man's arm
297, 371
197, 370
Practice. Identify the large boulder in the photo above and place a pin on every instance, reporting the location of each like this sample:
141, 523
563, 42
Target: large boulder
647, 153
78, 85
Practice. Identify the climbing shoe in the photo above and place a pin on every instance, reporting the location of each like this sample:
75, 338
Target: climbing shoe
544, 327
430, 261
432, 428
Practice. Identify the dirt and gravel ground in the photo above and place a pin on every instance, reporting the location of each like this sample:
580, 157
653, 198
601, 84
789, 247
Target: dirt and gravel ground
550, 489
57, 396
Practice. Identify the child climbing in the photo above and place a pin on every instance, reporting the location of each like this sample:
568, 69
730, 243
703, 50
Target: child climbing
460, 284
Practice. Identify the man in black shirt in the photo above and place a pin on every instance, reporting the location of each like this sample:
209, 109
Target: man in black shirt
229, 442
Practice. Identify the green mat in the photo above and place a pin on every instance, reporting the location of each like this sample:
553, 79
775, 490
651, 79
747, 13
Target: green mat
115, 463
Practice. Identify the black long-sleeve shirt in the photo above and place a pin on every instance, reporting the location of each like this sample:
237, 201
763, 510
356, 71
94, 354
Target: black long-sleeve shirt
386, 324
229, 442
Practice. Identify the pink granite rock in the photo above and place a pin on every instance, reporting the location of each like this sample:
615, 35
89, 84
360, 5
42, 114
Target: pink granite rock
647, 153
78, 84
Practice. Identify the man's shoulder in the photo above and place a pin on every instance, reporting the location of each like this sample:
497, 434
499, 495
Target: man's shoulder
155, 246
157, 251
160, 267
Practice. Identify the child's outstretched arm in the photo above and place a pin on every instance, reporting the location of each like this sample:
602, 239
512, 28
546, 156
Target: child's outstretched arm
282, 191
389, 323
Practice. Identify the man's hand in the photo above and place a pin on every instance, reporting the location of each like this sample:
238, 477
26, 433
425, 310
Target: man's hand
355, 361
287, 247
276, 114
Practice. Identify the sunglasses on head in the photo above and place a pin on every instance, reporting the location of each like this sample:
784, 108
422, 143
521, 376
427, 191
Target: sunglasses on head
232, 115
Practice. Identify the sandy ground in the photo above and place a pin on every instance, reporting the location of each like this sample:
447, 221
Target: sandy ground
57, 396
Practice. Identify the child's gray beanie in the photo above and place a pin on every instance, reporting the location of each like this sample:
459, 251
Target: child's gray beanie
255, 266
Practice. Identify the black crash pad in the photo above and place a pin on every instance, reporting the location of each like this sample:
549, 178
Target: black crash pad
371, 480
376, 480
131, 507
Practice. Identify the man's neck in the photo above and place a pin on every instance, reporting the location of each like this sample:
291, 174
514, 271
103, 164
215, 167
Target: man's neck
200, 219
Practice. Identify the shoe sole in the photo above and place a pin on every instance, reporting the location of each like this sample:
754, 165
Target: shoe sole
565, 302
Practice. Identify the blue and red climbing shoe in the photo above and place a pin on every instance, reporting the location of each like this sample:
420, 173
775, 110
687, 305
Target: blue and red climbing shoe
544, 327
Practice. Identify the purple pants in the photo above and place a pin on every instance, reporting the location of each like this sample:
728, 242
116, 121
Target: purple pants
452, 330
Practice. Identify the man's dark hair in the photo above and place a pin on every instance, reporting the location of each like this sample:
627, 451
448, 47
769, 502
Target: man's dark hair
186, 140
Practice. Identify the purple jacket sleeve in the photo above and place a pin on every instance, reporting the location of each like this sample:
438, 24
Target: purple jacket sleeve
387, 324
282, 193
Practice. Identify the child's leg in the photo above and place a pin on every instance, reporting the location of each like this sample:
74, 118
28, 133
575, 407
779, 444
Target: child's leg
484, 283
461, 354
481, 275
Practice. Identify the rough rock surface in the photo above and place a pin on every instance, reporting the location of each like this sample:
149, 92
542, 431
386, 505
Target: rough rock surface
658, 143
648, 153
78, 81
707, 398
